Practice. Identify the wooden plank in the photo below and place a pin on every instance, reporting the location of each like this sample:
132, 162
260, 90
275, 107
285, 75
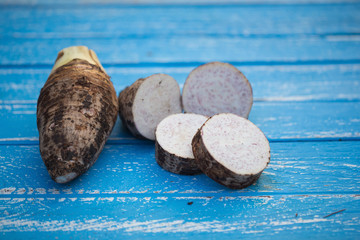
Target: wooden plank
262, 217
167, 2
139, 22
278, 120
270, 83
305, 73
131, 171
178, 50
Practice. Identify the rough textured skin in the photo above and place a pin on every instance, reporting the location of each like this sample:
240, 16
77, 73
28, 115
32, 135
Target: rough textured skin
76, 111
126, 99
215, 170
175, 164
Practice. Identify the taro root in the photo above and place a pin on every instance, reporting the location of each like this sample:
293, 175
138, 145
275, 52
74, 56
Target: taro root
148, 101
173, 143
215, 88
231, 150
76, 111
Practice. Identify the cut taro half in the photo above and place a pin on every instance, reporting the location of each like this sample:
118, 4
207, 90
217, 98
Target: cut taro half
231, 150
173, 143
217, 87
148, 101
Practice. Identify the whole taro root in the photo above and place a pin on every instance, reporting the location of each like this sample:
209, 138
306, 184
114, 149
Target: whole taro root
76, 112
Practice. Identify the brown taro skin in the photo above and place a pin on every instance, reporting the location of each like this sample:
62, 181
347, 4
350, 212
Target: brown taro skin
175, 164
215, 170
76, 112
126, 100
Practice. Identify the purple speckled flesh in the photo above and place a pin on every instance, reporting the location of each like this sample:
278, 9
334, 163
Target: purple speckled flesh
231, 150
215, 88
173, 151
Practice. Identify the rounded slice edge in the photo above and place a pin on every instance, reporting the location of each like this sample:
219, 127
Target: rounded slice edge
173, 150
148, 101
157, 97
217, 87
231, 150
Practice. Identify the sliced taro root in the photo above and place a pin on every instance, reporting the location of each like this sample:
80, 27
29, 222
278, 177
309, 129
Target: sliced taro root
217, 87
231, 150
148, 101
173, 143
76, 112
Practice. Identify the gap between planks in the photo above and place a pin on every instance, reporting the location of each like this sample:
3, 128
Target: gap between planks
134, 141
172, 4
127, 141
193, 64
14, 193
335, 36
290, 99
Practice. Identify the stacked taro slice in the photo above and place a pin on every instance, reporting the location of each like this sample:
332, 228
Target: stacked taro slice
213, 136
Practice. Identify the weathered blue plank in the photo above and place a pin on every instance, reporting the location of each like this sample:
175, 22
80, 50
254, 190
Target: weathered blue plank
278, 120
139, 22
279, 83
131, 171
186, 50
292, 196
303, 61
52, 3
266, 217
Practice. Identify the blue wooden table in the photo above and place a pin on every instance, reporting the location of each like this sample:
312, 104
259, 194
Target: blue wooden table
302, 58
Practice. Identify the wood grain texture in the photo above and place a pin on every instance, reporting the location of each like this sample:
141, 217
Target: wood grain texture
311, 180
287, 21
270, 83
295, 168
302, 59
45, 3
145, 218
182, 49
